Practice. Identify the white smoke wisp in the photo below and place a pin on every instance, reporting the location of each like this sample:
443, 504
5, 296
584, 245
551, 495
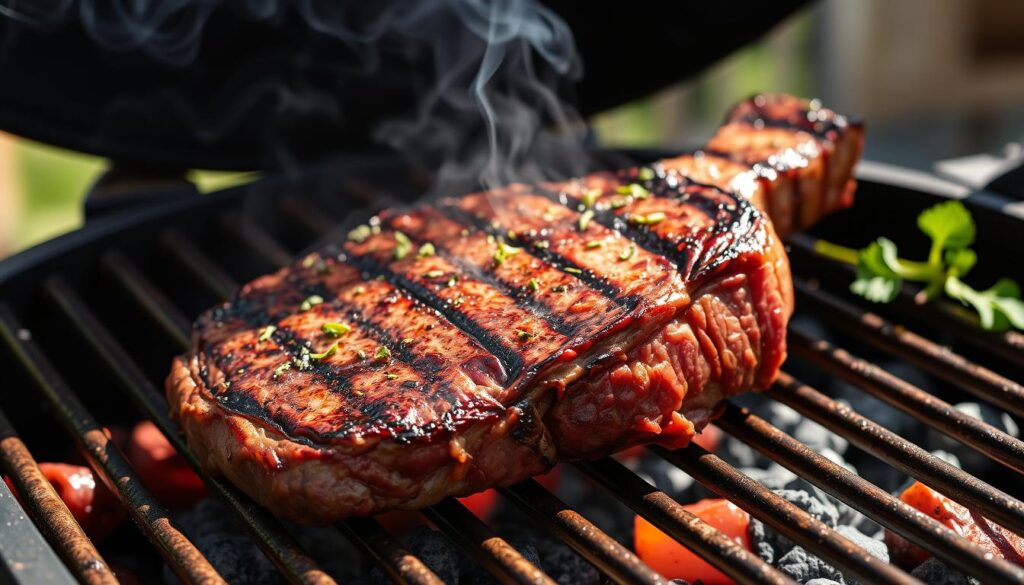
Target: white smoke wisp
492, 78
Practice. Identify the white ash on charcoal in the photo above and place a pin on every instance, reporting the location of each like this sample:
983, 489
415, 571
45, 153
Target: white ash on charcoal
972, 460
794, 560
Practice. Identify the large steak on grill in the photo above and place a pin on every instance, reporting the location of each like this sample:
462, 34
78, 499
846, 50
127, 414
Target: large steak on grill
476, 341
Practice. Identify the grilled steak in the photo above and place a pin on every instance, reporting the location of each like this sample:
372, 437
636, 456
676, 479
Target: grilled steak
475, 341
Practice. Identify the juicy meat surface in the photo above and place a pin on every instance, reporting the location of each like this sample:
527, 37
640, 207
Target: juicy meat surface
475, 341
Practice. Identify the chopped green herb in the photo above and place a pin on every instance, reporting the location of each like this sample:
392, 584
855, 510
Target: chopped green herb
453, 280
585, 218
635, 190
333, 349
510, 234
542, 244
360, 234
523, 335
358, 290
645, 174
620, 202
595, 244
503, 251
335, 329
310, 302
533, 284
383, 353
266, 332
434, 273
628, 252
391, 376
408, 341
649, 219
404, 245
572, 270
426, 249
281, 369
308, 261
590, 197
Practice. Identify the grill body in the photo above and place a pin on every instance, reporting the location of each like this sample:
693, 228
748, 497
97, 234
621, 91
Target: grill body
90, 321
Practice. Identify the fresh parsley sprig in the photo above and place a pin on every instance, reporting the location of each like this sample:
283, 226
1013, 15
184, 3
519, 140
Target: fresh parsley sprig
881, 272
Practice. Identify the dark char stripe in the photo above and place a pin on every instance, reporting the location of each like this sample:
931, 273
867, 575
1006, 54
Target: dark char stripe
589, 278
509, 358
516, 293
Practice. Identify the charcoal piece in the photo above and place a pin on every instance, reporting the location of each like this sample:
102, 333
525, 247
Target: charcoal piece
935, 572
803, 567
436, 551
822, 582
664, 476
769, 544
876, 547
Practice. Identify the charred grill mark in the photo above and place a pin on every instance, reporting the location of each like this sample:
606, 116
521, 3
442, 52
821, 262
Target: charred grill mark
529, 243
733, 220
510, 359
519, 294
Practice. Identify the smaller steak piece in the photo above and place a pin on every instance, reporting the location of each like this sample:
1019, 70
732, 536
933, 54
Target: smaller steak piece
474, 342
793, 158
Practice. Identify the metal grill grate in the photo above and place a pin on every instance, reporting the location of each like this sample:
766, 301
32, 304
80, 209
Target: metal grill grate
198, 262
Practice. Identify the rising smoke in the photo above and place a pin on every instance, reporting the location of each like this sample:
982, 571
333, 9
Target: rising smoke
492, 78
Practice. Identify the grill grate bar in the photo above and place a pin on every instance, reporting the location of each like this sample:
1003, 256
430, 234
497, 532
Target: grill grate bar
272, 538
936, 413
206, 272
604, 552
786, 518
976, 379
256, 240
54, 519
491, 551
670, 517
899, 453
151, 517
1008, 345
390, 557
150, 298
876, 503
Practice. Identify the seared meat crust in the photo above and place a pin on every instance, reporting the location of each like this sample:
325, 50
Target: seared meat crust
472, 342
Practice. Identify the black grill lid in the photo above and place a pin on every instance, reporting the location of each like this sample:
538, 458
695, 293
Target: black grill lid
261, 90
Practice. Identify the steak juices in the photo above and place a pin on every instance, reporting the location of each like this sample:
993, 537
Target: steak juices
476, 341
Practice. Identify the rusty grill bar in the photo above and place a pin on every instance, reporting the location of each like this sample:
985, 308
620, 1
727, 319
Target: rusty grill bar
184, 255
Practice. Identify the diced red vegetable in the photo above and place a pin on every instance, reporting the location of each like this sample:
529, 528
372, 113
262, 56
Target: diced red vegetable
673, 560
163, 471
965, 522
92, 505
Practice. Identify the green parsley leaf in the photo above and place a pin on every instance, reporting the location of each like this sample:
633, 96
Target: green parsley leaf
383, 353
948, 224
998, 307
592, 244
645, 174
573, 270
426, 249
391, 376
534, 284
